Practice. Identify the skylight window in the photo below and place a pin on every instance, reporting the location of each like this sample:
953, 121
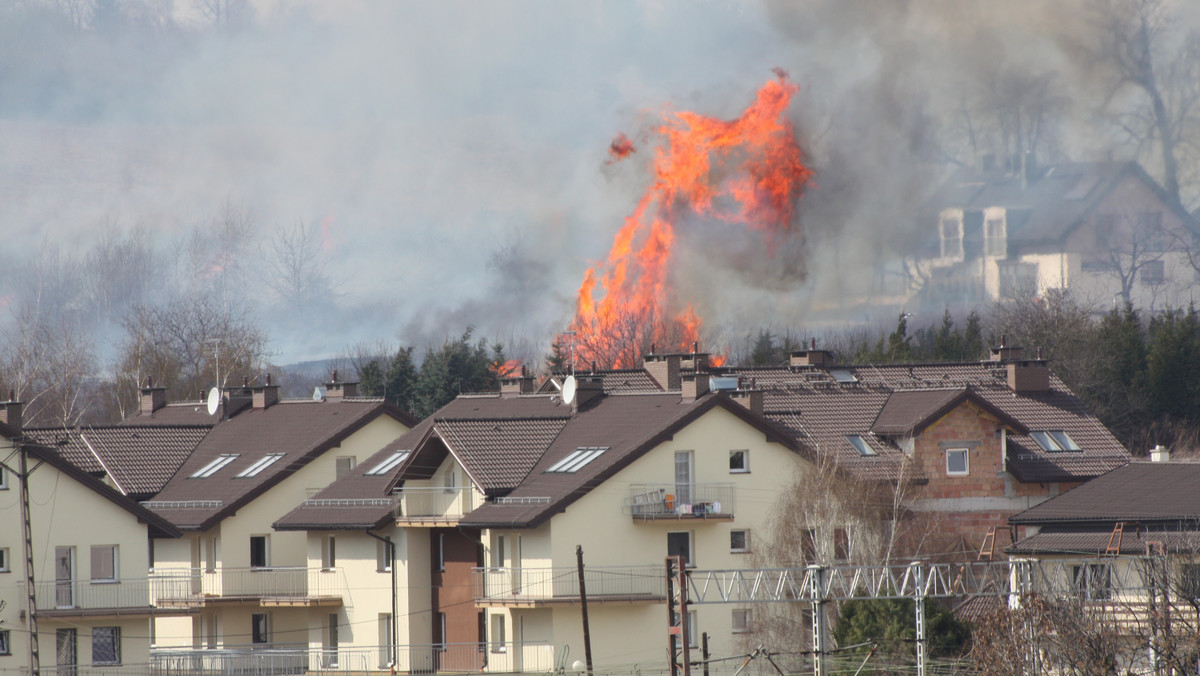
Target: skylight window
576, 459
1054, 440
860, 444
212, 467
843, 376
263, 463
389, 464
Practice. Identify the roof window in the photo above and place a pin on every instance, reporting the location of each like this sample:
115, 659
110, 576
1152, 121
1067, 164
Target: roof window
1054, 440
576, 459
843, 375
389, 464
212, 467
263, 463
860, 444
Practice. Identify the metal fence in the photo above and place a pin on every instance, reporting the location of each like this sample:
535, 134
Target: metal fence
625, 582
659, 501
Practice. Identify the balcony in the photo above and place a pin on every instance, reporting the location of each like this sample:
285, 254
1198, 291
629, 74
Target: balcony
535, 587
85, 598
433, 506
654, 502
285, 586
510, 657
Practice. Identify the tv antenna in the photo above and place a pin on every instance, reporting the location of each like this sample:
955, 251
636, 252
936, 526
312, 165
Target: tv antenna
216, 343
572, 335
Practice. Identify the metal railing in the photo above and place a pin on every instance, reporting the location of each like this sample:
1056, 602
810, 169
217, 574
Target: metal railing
299, 659
185, 585
681, 501
549, 584
434, 503
93, 595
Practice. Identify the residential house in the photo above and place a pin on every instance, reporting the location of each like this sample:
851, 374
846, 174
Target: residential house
487, 501
89, 544
1104, 230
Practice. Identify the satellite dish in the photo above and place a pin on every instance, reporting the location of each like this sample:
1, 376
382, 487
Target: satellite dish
568, 390
214, 400
317, 396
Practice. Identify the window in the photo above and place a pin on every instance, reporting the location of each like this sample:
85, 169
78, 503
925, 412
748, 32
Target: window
680, 544
451, 479
683, 477
577, 458
957, 462
994, 234
328, 552
3, 479
343, 466
383, 562
389, 463
441, 641
739, 462
1054, 440
1092, 581
66, 642
212, 467
951, 232
4, 562
860, 444
387, 655
260, 551
104, 563
808, 545
1151, 231
259, 465
260, 628
439, 552
1189, 581
1106, 226
106, 645
843, 376
741, 620
499, 641
211, 556
739, 541
5, 643
1152, 272
498, 553
841, 544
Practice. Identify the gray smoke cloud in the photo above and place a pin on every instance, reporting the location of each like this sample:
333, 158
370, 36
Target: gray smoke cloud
452, 154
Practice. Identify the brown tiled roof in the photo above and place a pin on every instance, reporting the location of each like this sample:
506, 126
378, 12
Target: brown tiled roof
1140, 491
174, 414
498, 452
908, 412
301, 430
612, 381
1095, 541
138, 459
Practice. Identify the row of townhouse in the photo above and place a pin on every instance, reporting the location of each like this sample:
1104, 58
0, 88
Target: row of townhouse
342, 534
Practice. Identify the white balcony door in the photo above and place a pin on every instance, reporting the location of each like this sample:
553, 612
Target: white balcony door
64, 577
683, 477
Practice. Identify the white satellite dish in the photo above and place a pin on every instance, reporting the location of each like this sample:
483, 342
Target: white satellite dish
317, 396
568, 390
214, 400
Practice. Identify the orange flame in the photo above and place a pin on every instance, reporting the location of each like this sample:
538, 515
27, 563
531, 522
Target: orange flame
747, 171
620, 148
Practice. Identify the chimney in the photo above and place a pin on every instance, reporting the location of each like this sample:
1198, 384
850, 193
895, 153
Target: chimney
10, 412
694, 385
664, 369
1029, 375
153, 398
511, 386
587, 388
264, 395
338, 390
1004, 353
750, 397
1160, 453
810, 357
695, 360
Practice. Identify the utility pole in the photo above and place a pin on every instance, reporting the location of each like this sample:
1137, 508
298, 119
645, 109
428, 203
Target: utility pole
35, 665
587, 634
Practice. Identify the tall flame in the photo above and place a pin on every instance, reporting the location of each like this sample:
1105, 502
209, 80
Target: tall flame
747, 171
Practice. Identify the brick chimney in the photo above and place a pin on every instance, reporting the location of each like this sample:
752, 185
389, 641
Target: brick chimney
694, 360
663, 368
335, 390
810, 357
153, 398
1004, 353
511, 386
587, 388
10, 412
693, 385
1028, 375
750, 397
264, 395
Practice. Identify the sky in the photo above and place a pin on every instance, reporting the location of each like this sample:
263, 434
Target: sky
454, 153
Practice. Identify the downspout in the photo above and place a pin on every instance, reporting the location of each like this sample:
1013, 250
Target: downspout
1004, 449
390, 547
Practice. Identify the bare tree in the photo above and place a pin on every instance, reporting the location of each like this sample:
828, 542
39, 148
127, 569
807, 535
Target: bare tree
297, 266
48, 360
214, 257
1155, 94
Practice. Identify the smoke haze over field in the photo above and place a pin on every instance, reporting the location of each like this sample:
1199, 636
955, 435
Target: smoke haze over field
450, 156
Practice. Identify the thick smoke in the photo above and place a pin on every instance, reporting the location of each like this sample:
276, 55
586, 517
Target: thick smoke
451, 155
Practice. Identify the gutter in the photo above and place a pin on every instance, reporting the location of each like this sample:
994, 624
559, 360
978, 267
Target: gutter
390, 548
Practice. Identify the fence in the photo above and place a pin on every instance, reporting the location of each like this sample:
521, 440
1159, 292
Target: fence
519, 584
184, 585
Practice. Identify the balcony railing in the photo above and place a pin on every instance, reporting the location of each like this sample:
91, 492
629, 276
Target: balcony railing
537, 586
682, 501
298, 659
283, 585
99, 596
434, 504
